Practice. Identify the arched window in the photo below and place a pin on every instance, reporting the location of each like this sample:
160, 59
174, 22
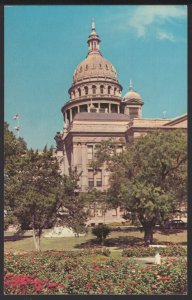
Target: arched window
101, 89
94, 89
86, 90
107, 67
86, 68
109, 90
79, 91
74, 94
115, 89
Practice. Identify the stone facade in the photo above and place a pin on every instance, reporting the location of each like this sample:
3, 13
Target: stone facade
95, 112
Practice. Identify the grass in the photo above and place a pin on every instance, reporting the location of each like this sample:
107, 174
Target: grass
115, 242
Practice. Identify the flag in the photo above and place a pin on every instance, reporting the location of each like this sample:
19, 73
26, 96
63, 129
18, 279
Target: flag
16, 117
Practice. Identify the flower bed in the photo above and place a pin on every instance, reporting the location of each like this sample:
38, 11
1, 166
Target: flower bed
149, 251
66, 273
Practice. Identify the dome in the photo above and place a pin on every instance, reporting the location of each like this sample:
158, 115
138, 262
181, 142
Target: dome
132, 95
94, 66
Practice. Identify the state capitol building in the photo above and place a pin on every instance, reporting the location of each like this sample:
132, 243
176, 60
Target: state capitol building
98, 111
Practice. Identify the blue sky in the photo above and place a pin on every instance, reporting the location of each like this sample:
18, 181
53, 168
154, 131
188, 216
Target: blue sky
44, 44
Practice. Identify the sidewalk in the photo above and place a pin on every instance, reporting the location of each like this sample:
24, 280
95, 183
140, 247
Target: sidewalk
152, 259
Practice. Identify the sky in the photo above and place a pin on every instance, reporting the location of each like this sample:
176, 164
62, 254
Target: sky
44, 44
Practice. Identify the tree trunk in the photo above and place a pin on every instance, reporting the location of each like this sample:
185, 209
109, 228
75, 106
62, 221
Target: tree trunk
39, 236
148, 235
35, 241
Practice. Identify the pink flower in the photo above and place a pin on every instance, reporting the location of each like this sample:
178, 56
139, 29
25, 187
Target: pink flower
88, 285
154, 286
9, 275
52, 284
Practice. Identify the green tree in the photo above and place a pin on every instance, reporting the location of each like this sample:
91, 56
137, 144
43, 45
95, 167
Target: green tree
36, 193
71, 204
149, 178
101, 232
14, 150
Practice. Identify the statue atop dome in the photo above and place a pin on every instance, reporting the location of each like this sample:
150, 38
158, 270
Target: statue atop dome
93, 39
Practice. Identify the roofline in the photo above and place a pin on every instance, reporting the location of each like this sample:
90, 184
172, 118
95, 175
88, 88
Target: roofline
182, 117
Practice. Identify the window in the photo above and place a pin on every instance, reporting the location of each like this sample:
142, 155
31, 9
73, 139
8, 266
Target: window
115, 89
92, 212
101, 89
86, 90
86, 68
90, 152
98, 178
100, 214
109, 89
79, 91
90, 179
107, 67
133, 112
94, 89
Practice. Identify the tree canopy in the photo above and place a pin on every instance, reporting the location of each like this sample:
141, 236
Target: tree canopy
35, 191
149, 178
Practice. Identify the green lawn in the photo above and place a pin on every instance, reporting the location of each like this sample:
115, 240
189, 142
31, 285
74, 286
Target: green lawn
115, 242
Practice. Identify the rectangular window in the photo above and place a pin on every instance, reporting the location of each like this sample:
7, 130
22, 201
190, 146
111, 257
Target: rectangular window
90, 179
90, 152
98, 178
133, 111
92, 212
100, 213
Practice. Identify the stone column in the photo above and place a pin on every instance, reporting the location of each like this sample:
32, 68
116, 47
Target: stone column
65, 117
70, 115
118, 109
84, 166
66, 162
78, 108
109, 107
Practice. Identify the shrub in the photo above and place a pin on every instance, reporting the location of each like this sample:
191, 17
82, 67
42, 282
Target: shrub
135, 251
101, 232
106, 252
57, 273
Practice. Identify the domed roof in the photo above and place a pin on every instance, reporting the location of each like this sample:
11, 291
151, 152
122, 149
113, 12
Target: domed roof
95, 65
132, 95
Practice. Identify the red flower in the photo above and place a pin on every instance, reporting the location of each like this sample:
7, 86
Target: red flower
52, 284
88, 285
70, 276
99, 290
9, 275
154, 286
